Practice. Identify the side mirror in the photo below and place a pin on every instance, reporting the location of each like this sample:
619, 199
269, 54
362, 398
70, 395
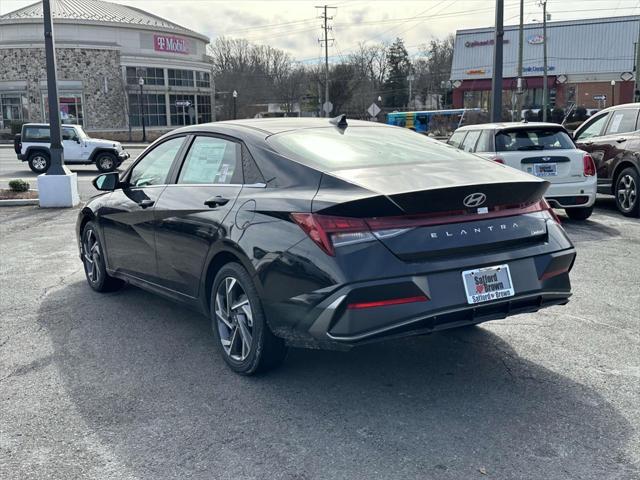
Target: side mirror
77, 140
107, 182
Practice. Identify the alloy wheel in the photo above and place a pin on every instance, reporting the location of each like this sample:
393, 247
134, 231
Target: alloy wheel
234, 319
91, 256
106, 163
39, 162
627, 192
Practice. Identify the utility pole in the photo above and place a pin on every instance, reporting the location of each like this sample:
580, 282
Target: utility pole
520, 90
55, 150
144, 128
496, 81
636, 90
545, 87
326, 41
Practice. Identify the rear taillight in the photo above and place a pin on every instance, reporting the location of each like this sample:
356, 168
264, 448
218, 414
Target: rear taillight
386, 303
498, 160
589, 166
329, 232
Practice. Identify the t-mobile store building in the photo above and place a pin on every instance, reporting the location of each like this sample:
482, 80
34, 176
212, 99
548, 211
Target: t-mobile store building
590, 63
103, 50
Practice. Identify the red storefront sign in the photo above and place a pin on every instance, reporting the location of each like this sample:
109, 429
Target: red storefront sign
169, 43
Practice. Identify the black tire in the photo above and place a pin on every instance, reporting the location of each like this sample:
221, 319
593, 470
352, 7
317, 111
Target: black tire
93, 261
627, 192
580, 213
265, 351
106, 162
39, 161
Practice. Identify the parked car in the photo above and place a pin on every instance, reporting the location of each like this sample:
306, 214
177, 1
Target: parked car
612, 137
32, 146
541, 149
324, 234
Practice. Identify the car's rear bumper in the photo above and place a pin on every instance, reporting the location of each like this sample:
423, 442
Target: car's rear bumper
538, 281
573, 194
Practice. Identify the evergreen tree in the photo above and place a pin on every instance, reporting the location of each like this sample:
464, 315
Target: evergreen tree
396, 89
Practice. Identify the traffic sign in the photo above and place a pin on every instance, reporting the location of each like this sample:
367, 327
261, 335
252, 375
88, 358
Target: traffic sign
183, 103
599, 97
327, 107
373, 110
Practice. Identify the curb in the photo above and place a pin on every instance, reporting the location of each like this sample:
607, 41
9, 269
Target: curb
19, 202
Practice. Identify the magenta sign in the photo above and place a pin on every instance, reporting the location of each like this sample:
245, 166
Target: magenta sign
169, 43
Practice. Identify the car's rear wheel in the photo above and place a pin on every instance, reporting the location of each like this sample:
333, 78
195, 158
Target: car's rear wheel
94, 264
39, 162
626, 192
239, 323
579, 213
106, 162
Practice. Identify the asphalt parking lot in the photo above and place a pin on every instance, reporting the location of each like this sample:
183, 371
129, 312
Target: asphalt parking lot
130, 386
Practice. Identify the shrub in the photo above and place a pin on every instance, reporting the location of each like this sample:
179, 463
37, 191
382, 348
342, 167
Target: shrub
18, 186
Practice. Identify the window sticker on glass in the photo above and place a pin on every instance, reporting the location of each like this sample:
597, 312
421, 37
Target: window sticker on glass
210, 160
615, 123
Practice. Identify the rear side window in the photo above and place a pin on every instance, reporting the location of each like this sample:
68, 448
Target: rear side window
593, 128
456, 138
532, 139
485, 143
469, 143
36, 134
212, 160
622, 121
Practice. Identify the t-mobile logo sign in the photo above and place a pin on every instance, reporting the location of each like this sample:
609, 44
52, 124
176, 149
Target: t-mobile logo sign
168, 43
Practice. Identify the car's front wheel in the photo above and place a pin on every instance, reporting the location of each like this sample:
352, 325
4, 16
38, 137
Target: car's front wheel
581, 213
106, 162
239, 323
39, 162
94, 263
627, 192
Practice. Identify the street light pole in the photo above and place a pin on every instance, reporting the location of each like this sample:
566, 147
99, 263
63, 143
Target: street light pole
496, 81
545, 87
613, 92
235, 98
55, 150
144, 130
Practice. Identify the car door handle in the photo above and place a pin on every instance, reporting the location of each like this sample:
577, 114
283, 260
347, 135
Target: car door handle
588, 143
146, 203
216, 201
621, 139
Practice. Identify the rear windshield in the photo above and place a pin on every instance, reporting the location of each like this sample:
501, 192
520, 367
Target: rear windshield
357, 147
36, 134
532, 139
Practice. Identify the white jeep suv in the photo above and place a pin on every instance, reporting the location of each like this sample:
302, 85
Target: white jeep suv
32, 146
542, 149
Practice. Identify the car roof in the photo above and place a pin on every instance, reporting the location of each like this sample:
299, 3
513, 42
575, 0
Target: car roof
46, 125
509, 125
618, 107
271, 126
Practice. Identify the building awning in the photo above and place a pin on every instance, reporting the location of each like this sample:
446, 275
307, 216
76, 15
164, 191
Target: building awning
507, 83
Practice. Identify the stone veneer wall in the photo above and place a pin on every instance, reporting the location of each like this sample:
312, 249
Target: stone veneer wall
102, 110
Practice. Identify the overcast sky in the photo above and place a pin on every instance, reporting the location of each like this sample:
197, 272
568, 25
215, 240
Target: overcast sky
293, 25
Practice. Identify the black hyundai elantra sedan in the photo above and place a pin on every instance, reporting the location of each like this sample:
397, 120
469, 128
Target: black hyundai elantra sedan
324, 234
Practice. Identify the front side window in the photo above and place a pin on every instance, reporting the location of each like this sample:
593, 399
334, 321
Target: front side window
154, 168
532, 139
69, 134
622, 121
593, 128
469, 143
211, 161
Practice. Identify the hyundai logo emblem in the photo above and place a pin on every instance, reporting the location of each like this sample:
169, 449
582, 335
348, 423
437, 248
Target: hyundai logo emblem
474, 200
546, 159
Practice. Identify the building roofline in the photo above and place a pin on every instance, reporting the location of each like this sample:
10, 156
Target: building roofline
560, 23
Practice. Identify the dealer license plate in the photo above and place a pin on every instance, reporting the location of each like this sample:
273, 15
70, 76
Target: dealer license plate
545, 169
487, 284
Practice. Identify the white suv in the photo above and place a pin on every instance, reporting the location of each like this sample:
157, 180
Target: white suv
32, 146
542, 149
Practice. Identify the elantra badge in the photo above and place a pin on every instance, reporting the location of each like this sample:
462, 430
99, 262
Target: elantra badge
474, 200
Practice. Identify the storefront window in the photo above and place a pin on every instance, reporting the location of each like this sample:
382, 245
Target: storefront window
70, 108
182, 115
180, 78
151, 76
155, 114
204, 108
13, 108
202, 79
